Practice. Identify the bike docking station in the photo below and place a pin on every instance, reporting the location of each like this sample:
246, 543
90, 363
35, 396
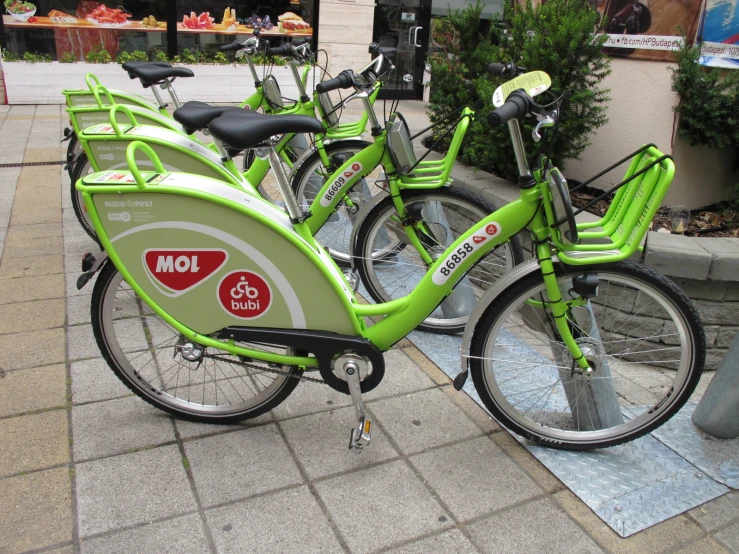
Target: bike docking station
635, 485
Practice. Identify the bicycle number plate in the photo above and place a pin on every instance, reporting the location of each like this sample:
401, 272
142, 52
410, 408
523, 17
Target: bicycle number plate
533, 82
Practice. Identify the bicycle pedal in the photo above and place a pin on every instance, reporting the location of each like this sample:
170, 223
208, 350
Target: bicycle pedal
359, 436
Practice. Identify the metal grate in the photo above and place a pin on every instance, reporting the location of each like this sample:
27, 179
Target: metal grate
29, 164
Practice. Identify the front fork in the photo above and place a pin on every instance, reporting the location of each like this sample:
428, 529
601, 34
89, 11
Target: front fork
558, 307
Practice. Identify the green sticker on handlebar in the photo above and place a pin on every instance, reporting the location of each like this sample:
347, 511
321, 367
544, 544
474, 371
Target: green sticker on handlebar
533, 82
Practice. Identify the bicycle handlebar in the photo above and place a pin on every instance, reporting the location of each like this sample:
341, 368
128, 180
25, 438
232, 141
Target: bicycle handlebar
517, 105
284, 50
343, 80
507, 70
235, 45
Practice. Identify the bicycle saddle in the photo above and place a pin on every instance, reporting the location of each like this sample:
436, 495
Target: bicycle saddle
195, 116
152, 75
241, 129
130, 66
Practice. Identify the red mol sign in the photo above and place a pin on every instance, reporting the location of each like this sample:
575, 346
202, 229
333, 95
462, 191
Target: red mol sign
244, 294
181, 270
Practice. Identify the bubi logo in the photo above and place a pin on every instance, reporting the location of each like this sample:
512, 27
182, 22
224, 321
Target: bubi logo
244, 294
175, 271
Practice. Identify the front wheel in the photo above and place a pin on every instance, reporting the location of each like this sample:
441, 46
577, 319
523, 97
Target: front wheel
154, 361
390, 266
639, 332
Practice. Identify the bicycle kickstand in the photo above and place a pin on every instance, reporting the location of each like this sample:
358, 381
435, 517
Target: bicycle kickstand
351, 365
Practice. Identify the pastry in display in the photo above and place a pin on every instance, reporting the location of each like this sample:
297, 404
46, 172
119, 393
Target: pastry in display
152, 22
290, 21
229, 17
256, 22
60, 17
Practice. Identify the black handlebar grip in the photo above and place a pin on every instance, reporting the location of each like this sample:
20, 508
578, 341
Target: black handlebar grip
342, 80
300, 41
284, 50
374, 48
517, 105
497, 69
231, 47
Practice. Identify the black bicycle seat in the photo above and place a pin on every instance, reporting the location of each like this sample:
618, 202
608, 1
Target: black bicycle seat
195, 116
240, 129
153, 75
130, 66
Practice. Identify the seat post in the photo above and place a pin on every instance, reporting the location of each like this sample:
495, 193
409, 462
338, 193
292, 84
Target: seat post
169, 87
293, 210
162, 105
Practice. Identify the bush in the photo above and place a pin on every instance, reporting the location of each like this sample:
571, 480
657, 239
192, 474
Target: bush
67, 57
9, 56
160, 56
31, 57
135, 56
557, 38
98, 55
709, 104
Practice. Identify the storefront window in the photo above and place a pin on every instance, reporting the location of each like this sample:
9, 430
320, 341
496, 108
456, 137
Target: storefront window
79, 30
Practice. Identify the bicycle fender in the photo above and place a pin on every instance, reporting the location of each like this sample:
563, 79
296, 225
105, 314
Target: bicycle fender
518, 272
97, 263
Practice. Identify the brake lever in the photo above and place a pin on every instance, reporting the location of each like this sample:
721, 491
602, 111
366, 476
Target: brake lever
545, 120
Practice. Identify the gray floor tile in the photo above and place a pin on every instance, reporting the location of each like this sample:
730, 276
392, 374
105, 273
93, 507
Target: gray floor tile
533, 527
717, 512
235, 465
475, 477
381, 506
130, 489
93, 380
309, 398
321, 441
80, 243
401, 375
730, 536
117, 426
423, 420
286, 521
174, 536
190, 429
448, 542
78, 309
81, 343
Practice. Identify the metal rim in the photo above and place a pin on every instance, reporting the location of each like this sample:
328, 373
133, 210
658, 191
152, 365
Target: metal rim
636, 417
156, 372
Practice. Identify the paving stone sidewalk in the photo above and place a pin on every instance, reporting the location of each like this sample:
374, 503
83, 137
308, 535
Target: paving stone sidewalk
87, 467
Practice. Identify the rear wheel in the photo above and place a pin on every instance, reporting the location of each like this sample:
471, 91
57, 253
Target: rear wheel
640, 334
82, 168
149, 356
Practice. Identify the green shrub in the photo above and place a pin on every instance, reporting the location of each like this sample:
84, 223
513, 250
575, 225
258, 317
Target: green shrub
67, 57
160, 56
709, 102
135, 56
9, 56
98, 55
557, 38
31, 57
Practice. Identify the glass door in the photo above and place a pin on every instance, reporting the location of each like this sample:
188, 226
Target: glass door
404, 25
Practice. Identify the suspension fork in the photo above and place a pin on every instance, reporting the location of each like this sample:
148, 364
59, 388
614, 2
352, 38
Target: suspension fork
557, 305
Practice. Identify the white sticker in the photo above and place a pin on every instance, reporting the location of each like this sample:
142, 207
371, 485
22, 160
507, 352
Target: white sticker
452, 262
339, 183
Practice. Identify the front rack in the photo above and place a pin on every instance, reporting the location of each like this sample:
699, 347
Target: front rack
422, 173
619, 233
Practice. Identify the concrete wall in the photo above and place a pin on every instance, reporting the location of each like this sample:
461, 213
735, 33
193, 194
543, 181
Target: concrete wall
640, 111
345, 32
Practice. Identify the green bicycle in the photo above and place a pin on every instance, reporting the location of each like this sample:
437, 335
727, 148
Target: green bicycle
214, 303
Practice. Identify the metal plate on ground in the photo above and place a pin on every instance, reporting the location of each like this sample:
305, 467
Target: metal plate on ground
633, 486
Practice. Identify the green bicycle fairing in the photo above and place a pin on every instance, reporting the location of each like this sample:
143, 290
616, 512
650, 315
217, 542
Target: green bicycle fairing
211, 256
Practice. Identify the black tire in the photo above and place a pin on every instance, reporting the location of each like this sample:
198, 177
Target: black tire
368, 259
307, 169
135, 378
80, 169
640, 408
74, 150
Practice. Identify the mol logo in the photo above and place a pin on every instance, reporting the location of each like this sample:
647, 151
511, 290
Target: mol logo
244, 294
176, 271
